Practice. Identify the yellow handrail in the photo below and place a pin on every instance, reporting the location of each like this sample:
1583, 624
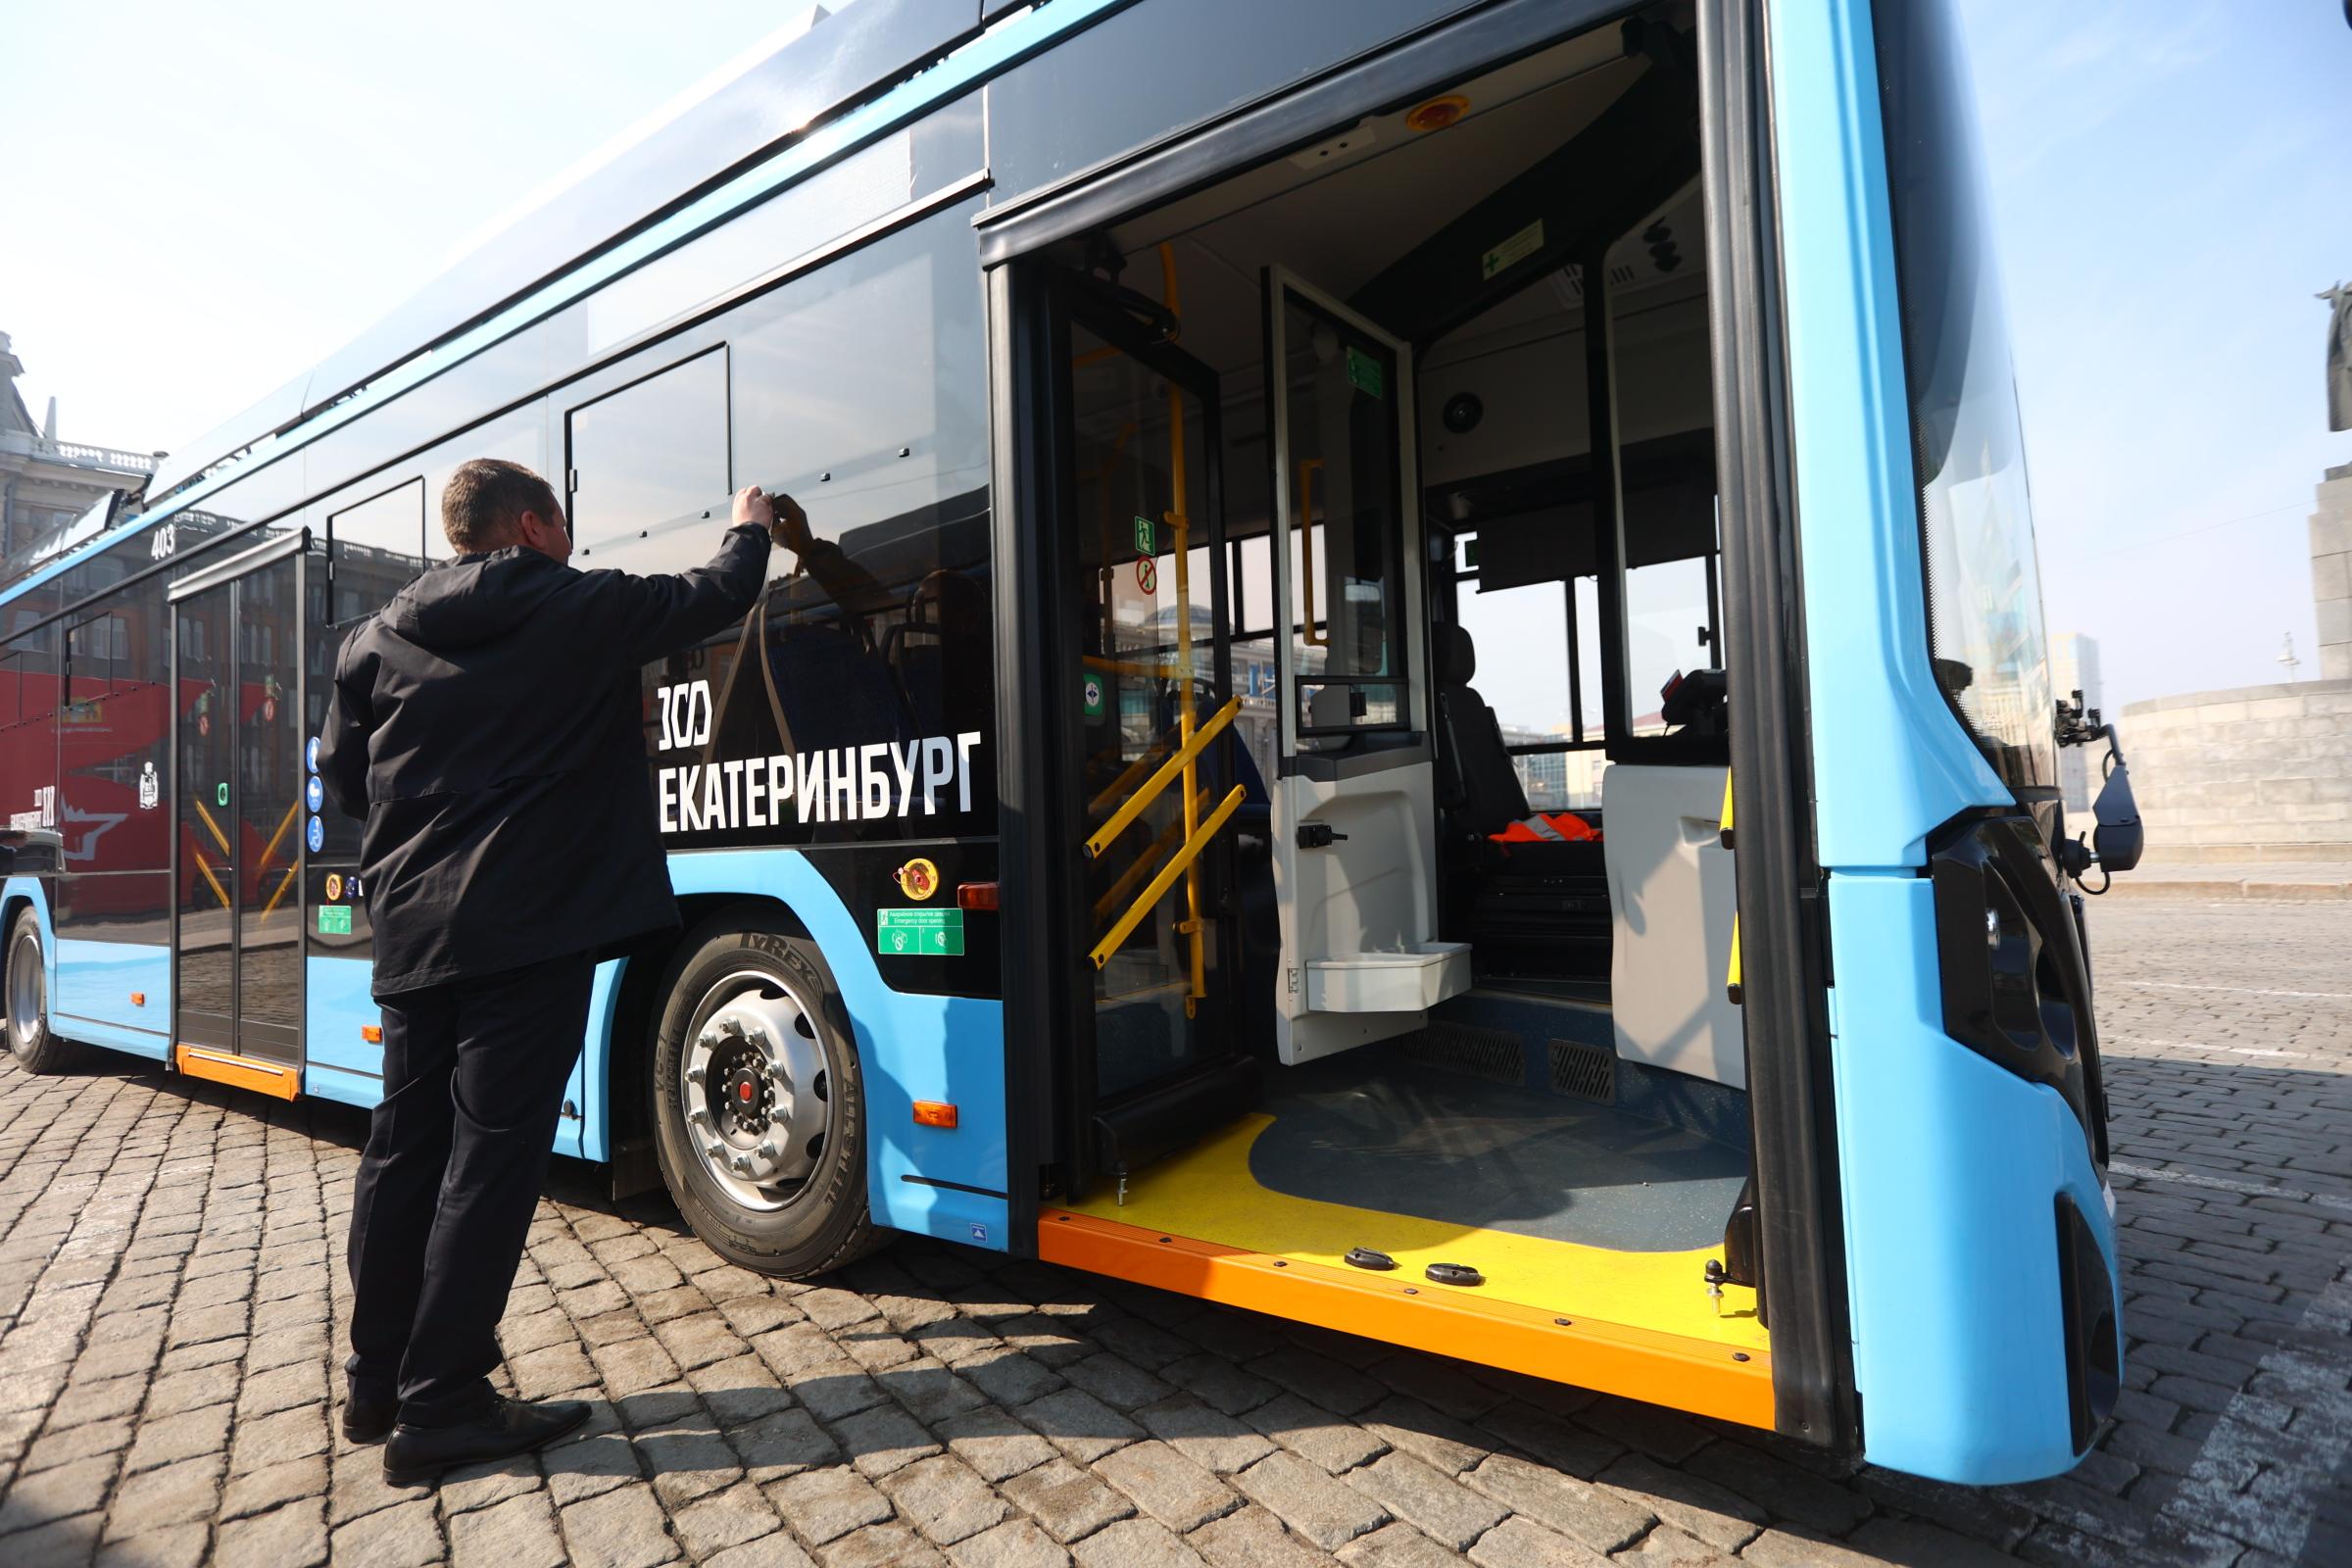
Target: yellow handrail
1169, 874
1116, 789
1732, 986
1131, 666
1178, 762
1179, 517
219, 837
219, 892
1116, 893
1306, 550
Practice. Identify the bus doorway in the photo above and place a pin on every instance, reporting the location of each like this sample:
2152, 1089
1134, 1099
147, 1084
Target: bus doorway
240, 822
1449, 367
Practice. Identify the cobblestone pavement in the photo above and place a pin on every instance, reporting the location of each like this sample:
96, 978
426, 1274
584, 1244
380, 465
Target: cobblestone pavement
172, 1298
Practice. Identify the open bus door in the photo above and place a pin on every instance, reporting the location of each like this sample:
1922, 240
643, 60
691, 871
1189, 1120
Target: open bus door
1138, 633
1354, 821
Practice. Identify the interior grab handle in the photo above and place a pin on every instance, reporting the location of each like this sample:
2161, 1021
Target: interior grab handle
1306, 550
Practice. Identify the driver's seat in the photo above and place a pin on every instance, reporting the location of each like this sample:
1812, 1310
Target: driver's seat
1533, 909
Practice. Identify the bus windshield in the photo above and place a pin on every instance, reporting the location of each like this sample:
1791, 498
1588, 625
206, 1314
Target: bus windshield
1985, 621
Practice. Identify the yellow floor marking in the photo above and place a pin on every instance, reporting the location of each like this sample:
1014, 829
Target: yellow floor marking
1207, 1194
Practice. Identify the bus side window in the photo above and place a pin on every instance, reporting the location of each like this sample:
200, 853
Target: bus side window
374, 549
654, 452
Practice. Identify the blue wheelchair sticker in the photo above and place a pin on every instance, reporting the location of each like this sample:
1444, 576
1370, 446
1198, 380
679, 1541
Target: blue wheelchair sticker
317, 835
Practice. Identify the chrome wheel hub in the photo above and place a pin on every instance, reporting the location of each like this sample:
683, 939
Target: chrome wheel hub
753, 1090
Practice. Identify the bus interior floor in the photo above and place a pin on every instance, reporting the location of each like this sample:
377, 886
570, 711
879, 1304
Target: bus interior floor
1563, 1205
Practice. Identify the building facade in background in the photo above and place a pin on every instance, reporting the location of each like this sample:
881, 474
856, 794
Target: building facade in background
2261, 773
47, 484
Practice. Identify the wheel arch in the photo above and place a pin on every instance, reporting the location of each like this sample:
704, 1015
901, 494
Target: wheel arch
621, 1057
18, 894
948, 1183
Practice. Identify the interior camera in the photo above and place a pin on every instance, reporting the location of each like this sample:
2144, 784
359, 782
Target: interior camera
1463, 413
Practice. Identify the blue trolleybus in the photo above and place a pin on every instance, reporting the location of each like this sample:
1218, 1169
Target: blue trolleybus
1311, 504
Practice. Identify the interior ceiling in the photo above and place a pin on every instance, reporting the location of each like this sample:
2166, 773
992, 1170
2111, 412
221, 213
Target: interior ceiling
1337, 224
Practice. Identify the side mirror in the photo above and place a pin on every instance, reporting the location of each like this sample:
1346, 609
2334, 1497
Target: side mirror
2117, 839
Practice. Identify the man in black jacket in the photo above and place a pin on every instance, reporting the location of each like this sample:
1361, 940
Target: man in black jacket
487, 724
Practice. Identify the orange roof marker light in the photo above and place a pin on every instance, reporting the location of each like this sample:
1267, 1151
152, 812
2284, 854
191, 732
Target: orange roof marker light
1437, 112
373, 1033
934, 1113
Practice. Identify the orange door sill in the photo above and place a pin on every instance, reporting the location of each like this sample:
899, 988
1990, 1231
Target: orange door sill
242, 1072
1702, 1377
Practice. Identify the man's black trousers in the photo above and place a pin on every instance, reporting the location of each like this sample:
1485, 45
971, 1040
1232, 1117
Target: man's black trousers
474, 1082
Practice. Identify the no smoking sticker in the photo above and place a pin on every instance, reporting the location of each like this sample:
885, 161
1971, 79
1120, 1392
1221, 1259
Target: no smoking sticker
1147, 575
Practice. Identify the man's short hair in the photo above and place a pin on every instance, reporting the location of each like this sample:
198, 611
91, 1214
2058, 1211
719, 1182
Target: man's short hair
483, 503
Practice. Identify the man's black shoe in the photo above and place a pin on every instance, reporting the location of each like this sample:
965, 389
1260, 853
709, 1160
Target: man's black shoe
417, 1454
368, 1420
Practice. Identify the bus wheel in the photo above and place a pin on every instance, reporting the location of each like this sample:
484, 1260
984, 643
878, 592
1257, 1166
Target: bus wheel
30, 1040
758, 1101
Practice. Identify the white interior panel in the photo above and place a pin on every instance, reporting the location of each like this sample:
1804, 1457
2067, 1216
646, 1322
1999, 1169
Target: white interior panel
1372, 893
1672, 900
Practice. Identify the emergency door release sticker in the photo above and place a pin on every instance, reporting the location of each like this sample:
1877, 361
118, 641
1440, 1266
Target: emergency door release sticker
334, 919
919, 933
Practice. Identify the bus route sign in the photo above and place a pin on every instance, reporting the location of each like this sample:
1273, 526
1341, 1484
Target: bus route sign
919, 933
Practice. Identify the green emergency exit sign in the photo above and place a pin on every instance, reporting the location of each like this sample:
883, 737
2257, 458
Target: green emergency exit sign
334, 919
919, 933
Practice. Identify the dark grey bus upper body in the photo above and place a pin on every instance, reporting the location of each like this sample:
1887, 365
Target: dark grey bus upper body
486, 725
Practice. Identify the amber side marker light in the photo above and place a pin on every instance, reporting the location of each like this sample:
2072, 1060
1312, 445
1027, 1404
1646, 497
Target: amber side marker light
138, 999
1437, 112
934, 1113
975, 895
373, 1033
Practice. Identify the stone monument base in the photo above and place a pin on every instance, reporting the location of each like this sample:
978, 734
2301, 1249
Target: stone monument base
2261, 774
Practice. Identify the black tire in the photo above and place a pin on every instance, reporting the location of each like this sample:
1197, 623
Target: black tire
820, 1220
24, 1003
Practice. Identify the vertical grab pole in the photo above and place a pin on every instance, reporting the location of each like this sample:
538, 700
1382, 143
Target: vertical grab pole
1180, 523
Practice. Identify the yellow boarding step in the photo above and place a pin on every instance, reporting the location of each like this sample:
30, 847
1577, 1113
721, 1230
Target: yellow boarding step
1639, 1324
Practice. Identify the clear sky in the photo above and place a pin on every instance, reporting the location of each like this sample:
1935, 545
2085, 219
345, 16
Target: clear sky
201, 201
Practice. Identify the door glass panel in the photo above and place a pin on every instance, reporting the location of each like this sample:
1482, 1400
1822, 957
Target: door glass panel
205, 996
1661, 384
1346, 608
1147, 644
267, 809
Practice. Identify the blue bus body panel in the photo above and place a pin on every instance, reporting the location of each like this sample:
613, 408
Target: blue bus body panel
339, 1063
1952, 1247
1891, 763
90, 994
590, 1135
909, 1048
1952, 1166
343, 1064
